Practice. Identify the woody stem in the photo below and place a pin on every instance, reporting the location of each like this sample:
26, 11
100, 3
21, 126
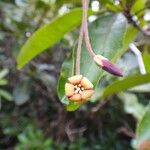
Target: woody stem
85, 28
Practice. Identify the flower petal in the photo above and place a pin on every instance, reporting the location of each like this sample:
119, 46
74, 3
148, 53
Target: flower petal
75, 79
87, 94
69, 89
75, 97
86, 83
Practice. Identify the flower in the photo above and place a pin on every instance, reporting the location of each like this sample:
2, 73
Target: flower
107, 65
78, 89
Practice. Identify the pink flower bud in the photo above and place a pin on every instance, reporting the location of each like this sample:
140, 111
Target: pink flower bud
107, 65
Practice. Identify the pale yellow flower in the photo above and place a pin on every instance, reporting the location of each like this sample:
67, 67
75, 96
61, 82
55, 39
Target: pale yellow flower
78, 89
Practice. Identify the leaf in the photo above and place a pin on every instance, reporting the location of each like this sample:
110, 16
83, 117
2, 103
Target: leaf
131, 105
48, 35
139, 5
6, 95
72, 106
3, 82
141, 88
66, 71
107, 35
146, 58
129, 36
61, 2
21, 92
3, 73
125, 84
143, 128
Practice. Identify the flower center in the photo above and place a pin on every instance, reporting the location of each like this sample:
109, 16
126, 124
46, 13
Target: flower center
78, 89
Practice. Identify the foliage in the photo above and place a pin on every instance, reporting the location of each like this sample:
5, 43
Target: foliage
42, 34
32, 138
3, 82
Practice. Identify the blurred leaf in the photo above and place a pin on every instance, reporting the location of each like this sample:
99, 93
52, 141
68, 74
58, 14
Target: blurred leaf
48, 35
6, 95
146, 59
3, 82
125, 84
131, 105
21, 92
139, 5
143, 128
129, 64
67, 70
107, 34
3, 73
141, 88
62, 2
72, 106
129, 36
113, 8
129, 3
32, 138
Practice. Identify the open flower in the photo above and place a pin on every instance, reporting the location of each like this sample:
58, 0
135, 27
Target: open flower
107, 65
78, 89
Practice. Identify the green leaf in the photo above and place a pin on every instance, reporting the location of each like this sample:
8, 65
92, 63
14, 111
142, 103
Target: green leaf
48, 35
146, 58
3, 73
3, 82
72, 106
21, 92
143, 128
139, 5
125, 84
6, 95
66, 71
131, 104
107, 35
129, 36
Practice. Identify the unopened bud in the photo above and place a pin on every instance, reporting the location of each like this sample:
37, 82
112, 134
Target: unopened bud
107, 65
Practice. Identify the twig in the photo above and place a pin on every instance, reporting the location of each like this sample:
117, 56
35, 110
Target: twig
85, 28
132, 20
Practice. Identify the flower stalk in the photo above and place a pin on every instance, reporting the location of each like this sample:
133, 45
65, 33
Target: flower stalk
78, 88
85, 4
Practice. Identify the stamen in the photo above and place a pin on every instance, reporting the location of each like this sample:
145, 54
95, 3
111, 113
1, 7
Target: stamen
75, 86
78, 89
75, 92
82, 88
79, 85
80, 92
